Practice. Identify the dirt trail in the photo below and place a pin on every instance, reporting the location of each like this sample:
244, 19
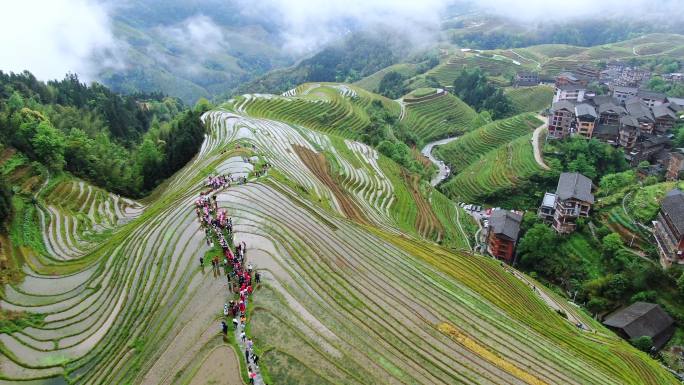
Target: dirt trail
219, 368
460, 227
319, 166
552, 303
535, 143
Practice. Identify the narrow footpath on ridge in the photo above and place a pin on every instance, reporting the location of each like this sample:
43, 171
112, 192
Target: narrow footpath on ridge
241, 278
535, 143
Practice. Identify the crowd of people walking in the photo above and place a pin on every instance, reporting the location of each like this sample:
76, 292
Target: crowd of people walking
241, 277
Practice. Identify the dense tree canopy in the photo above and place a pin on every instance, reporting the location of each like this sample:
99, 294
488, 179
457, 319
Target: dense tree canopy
472, 87
392, 85
126, 144
589, 157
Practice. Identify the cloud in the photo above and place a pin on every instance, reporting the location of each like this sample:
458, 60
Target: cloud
51, 38
554, 11
306, 25
197, 34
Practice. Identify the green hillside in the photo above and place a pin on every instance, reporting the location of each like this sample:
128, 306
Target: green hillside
328, 107
530, 99
366, 271
501, 65
498, 170
437, 116
467, 149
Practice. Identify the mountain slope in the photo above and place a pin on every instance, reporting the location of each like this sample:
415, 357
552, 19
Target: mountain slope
351, 290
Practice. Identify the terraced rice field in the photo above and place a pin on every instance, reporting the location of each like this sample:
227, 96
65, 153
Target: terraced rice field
501, 169
461, 153
530, 99
438, 117
447, 72
342, 300
327, 107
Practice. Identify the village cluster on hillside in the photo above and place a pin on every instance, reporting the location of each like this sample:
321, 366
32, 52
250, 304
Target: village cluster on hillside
629, 117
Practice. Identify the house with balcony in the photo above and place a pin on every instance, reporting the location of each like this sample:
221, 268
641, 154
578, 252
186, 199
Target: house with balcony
629, 132
574, 199
665, 118
668, 229
639, 111
561, 119
504, 229
586, 120
610, 112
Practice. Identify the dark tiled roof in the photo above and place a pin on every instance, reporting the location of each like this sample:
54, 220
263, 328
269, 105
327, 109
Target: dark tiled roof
663, 111
584, 109
629, 121
506, 223
642, 319
563, 104
627, 90
651, 95
574, 185
611, 107
639, 111
673, 207
677, 101
603, 99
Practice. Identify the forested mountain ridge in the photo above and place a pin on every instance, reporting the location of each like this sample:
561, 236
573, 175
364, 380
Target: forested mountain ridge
126, 144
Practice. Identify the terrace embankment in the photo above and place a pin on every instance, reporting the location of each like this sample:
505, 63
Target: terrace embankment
318, 165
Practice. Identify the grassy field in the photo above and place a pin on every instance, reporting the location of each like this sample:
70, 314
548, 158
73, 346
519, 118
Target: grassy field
464, 151
347, 296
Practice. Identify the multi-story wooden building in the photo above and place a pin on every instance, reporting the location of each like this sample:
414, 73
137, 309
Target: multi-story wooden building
668, 229
573, 200
629, 132
586, 120
504, 228
524, 79
637, 110
561, 119
665, 118
610, 113
588, 71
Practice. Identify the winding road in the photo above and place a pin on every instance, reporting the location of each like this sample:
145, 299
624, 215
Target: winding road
443, 170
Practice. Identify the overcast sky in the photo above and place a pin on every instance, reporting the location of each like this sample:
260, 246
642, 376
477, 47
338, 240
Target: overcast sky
52, 37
